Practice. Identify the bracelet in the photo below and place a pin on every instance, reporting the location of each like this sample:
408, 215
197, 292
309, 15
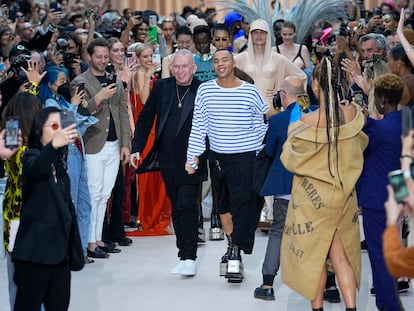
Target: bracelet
407, 174
406, 156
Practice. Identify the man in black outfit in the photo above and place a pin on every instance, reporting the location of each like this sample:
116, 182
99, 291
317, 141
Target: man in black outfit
172, 101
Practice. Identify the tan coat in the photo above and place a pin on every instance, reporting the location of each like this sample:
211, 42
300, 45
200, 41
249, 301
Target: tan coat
95, 136
319, 205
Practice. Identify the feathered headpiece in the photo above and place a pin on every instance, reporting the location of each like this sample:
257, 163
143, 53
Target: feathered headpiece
303, 13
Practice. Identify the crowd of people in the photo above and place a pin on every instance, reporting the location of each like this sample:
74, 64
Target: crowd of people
128, 119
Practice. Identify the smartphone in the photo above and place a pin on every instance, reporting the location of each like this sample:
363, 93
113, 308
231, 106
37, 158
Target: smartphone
153, 20
397, 181
303, 101
359, 98
152, 34
341, 93
81, 87
55, 7
111, 78
407, 120
12, 132
67, 118
138, 14
376, 57
156, 58
277, 100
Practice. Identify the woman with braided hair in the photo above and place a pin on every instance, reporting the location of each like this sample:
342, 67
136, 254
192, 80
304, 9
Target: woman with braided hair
324, 150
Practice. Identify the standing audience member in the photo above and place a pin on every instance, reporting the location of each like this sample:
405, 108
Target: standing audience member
171, 103
24, 106
154, 208
230, 112
322, 219
106, 142
41, 251
54, 91
381, 156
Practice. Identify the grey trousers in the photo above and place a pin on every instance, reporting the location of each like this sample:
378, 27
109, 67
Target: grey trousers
272, 258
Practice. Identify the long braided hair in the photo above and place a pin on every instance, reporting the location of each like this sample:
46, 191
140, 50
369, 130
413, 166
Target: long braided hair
326, 74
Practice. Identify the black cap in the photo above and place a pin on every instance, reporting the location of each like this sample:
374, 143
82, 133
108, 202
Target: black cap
17, 50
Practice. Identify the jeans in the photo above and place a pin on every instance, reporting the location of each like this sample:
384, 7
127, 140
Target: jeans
79, 192
102, 169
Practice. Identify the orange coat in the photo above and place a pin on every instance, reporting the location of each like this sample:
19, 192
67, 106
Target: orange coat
399, 259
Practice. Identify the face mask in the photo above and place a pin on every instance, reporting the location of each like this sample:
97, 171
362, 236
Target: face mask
64, 90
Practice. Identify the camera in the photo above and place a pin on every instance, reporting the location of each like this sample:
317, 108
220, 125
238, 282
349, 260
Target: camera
16, 66
91, 13
277, 100
344, 30
69, 58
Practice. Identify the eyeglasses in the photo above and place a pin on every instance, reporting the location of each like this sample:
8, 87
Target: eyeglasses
55, 126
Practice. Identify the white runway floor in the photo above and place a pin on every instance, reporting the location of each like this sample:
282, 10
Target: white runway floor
138, 279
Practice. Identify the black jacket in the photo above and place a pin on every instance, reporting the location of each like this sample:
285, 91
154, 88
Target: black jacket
159, 105
47, 211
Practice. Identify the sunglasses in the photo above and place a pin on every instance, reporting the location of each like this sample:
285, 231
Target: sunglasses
28, 28
55, 126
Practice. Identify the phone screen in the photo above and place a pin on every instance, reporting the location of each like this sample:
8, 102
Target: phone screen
156, 58
358, 98
67, 118
12, 132
153, 20
397, 181
303, 102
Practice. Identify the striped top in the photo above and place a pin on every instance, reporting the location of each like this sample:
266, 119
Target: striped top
232, 118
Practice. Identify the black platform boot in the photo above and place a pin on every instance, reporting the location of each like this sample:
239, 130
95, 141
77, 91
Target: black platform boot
234, 273
216, 232
225, 257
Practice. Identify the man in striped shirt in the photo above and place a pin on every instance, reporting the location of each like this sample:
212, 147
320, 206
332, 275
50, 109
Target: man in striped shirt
231, 113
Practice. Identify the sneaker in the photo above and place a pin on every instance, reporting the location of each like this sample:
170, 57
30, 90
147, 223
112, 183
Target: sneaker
403, 287
264, 293
178, 268
331, 295
189, 268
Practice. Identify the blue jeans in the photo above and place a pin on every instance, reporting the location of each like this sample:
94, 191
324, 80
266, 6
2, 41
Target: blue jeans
79, 192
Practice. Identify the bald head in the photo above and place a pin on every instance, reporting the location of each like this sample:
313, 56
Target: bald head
291, 87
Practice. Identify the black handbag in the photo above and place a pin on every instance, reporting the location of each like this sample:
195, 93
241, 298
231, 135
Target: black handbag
261, 168
150, 162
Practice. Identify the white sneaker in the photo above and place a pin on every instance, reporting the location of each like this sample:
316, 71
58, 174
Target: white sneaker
178, 268
189, 268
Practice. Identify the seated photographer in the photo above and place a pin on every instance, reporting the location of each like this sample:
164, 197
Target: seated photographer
67, 54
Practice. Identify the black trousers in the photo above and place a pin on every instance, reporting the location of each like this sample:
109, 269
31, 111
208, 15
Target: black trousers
232, 177
113, 229
39, 283
184, 214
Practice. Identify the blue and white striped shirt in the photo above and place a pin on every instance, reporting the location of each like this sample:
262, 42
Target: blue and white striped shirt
232, 118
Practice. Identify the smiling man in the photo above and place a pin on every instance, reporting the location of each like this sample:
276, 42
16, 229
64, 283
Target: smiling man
231, 113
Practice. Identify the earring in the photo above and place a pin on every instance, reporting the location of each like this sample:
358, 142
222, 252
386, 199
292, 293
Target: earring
382, 105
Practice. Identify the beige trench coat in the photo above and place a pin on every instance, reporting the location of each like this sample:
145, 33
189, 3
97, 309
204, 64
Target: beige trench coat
319, 205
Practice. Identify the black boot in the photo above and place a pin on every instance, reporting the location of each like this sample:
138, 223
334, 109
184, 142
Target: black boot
318, 309
216, 232
350, 309
225, 257
234, 273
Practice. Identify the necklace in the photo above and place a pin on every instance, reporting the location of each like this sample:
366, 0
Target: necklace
180, 100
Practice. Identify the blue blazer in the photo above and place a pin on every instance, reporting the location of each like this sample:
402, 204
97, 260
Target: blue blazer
278, 180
